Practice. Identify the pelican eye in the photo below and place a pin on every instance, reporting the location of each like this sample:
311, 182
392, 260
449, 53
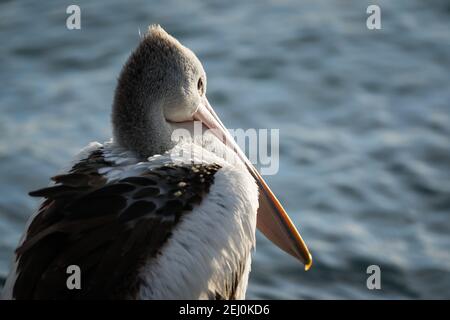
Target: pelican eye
200, 86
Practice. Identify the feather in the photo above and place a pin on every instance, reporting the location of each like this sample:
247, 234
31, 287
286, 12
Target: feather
108, 228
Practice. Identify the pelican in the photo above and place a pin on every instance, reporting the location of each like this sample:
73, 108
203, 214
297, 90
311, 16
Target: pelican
147, 216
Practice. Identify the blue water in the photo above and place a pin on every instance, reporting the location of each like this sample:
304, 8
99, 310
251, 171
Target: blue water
364, 119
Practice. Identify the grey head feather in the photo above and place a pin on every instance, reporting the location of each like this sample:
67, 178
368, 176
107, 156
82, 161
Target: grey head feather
157, 85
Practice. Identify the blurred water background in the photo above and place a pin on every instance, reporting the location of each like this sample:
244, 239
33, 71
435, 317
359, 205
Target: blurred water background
363, 116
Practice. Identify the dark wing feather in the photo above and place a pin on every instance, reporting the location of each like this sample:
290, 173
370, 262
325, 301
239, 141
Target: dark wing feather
108, 229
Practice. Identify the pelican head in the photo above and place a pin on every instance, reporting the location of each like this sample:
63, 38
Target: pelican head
163, 83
